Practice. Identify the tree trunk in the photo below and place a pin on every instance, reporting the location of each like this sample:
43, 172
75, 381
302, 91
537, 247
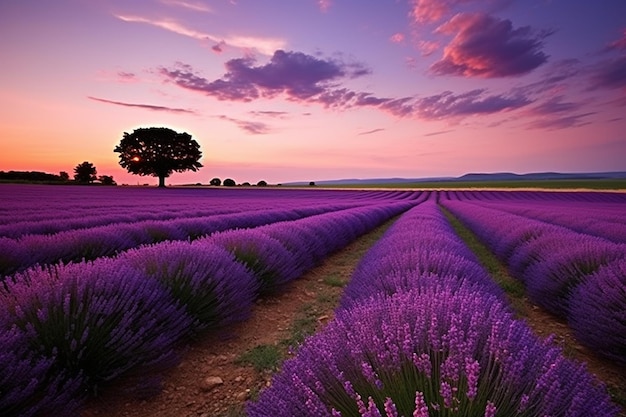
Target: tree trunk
161, 181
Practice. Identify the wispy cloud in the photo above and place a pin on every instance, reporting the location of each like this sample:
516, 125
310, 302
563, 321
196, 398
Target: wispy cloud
556, 113
252, 127
441, 132
269, 113
611, 72
143, 106
190, 5
487, 47
433, 11
448, 105
266, 46
369, 132
324, 5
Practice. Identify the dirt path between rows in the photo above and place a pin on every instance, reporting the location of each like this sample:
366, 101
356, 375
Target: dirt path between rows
211, 381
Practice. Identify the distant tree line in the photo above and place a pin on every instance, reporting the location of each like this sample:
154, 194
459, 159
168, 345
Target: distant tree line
229, 182
84, 173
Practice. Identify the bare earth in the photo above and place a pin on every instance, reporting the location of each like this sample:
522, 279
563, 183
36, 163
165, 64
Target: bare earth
187, 393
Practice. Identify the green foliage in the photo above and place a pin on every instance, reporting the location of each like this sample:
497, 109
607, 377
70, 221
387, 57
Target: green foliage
513, 288
335, 280
263, 358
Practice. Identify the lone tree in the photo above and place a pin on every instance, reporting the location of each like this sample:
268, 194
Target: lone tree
158, 151
216, 181
85, 172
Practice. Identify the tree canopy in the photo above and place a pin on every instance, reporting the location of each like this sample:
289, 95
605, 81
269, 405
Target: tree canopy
158, 152
85, 172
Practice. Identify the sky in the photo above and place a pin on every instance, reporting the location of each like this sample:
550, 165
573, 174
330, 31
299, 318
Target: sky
311, 90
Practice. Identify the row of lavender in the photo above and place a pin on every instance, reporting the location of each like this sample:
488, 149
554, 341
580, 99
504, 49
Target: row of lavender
46, 210
575, 275
597, 214
96, 238
67, 330
423, 331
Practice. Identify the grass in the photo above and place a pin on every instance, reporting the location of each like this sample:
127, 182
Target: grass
511, 286
263, 358
310, 316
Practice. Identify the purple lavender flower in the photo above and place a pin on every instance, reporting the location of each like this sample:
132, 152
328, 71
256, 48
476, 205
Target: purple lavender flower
205, 279
96, 320
269, 260
597, 311
333, 357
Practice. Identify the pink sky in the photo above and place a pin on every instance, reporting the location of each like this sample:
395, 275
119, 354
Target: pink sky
306, 90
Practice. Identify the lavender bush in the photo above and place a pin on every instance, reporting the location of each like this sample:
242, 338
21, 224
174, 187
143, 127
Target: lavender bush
559, 268
96, 320
29, 385
268, 259
433, 352
418, 249
597, 311
205, 279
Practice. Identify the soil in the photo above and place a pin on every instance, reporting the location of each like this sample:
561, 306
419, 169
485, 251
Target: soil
211, 381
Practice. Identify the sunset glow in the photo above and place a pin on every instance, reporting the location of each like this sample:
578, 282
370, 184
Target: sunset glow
311, 90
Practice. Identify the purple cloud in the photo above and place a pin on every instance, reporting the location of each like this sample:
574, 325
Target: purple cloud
449, 105
254, 128
441, 132
610, 74
143, 106
269, 113
561, 122
369, 132
555, 113
299, 76
487, 47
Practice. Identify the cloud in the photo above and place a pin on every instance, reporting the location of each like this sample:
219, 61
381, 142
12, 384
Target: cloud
299, 76
428, 11
142, 106
369, 132
268, 113
487, 47
611, 73
441, 132
254, 128
555, 113
265, 46
324, 5
428, 48
432, 11
449, 105
562, 122
397, 37
619, 44
195, 6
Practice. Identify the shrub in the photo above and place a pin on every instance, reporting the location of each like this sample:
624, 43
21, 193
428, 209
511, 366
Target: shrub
205, 279
597, 311
434, 352
95, 320
271, 263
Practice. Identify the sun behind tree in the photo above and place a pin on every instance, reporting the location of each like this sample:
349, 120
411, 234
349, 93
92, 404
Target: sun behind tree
157, 152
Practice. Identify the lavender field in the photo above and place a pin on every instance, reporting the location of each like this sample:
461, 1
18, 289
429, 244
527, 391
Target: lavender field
99, 283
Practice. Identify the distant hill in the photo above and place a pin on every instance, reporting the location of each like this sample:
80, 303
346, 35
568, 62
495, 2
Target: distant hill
471, 177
